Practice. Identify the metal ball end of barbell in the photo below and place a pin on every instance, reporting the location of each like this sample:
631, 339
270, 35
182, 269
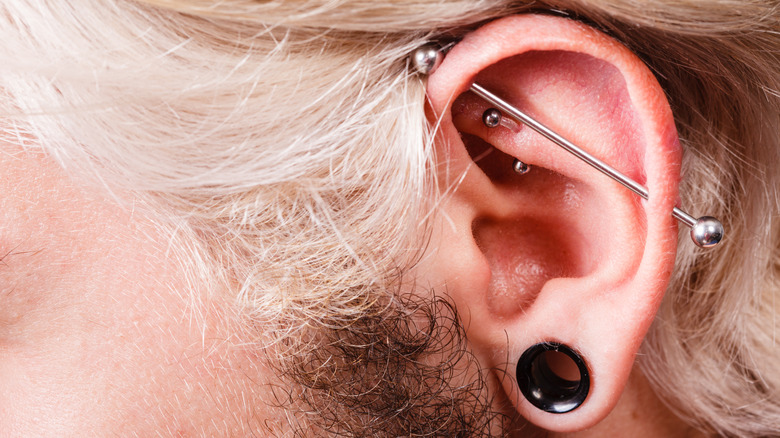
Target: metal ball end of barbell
491, 117
426, 59
707, 232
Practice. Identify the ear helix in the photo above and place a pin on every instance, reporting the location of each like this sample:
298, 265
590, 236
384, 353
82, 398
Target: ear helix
552, 376
706, 231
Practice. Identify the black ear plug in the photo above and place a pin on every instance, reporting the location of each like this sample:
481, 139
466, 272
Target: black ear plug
543, 386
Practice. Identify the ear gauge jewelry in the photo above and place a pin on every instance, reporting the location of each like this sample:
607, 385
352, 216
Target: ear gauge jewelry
706, 231
553, 377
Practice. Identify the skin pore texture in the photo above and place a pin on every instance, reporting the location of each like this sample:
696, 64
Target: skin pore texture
99, 335
97, 340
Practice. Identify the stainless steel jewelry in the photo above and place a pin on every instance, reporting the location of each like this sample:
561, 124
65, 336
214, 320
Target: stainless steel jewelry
520, 167
706, 231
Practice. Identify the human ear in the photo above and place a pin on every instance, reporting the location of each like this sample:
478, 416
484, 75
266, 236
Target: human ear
561, 254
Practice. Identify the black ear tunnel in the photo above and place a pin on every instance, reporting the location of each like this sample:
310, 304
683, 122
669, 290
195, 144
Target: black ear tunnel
547, 374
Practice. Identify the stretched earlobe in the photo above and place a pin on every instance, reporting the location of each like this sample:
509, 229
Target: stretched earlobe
570, 264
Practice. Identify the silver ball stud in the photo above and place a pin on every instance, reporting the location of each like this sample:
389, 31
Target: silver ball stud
707, 232
520, 167
426, 59
491, 117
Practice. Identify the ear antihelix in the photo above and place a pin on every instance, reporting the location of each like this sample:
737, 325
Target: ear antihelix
706, 231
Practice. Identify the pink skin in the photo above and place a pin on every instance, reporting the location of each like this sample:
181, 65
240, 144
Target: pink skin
596, 279
96, 338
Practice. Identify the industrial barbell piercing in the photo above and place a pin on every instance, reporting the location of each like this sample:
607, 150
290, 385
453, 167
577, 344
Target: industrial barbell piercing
706, 231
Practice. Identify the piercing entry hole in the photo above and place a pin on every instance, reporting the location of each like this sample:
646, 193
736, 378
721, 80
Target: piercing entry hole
553, 377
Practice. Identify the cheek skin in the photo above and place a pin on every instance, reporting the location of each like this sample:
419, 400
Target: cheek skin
97, 334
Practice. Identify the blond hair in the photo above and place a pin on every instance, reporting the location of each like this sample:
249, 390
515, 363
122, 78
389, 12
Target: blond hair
286, 144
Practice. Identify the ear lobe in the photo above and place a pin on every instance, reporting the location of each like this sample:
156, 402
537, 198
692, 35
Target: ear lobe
561, 254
